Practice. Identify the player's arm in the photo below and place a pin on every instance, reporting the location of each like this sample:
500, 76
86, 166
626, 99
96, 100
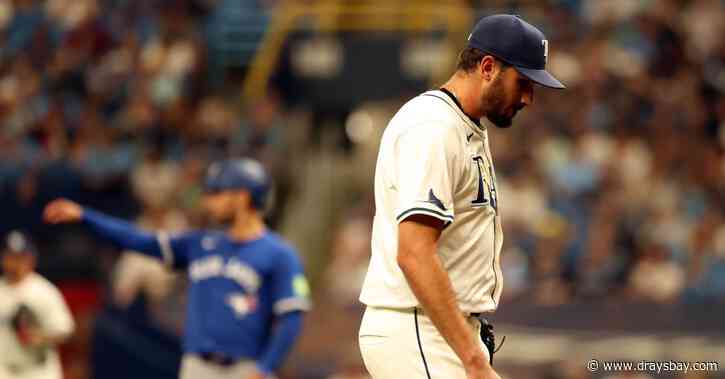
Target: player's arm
427, 170
117, 231
286, 330
54, 321
48, 339
58, 323
38, 338
418, 259
290, 293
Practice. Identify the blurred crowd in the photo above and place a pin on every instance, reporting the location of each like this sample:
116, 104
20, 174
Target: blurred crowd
612, 190
121, 105
115, 103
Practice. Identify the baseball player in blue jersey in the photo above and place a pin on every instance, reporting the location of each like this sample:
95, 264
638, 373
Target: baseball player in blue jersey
247, 288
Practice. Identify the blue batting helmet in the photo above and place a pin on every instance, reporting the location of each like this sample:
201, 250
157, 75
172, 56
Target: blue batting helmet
235, 174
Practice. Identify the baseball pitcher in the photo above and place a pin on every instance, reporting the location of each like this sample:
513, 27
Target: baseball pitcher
34, 317
434, 271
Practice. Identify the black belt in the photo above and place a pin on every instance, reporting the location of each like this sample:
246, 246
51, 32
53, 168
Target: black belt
422, 312
219, 358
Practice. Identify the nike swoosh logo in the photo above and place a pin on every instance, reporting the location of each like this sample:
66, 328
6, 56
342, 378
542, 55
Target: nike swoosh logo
468, 137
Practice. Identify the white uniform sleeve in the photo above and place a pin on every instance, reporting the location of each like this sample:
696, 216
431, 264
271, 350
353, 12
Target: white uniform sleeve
55, 319
426, 168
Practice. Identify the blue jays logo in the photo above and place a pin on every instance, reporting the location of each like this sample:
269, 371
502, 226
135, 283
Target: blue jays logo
236, 270
242, 304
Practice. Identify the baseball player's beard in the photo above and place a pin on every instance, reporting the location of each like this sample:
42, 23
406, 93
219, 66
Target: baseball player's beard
495, 107
218, 217
221, 219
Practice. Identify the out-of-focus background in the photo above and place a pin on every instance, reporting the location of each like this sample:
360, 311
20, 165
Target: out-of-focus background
612, 191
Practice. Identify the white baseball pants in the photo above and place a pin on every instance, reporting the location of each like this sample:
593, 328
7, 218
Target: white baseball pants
193, 367
399, 343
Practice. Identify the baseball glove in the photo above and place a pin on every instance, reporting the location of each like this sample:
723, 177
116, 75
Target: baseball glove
489, 339
26, 325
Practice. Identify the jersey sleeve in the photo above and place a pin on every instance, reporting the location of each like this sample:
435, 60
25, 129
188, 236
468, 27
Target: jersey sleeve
172, 250
54, 316
426, 172
290, 290
175, 249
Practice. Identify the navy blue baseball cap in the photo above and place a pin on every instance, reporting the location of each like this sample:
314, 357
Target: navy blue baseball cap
239, 174
516, 42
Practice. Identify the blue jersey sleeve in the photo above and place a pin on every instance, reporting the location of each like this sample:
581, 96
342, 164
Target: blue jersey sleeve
172, 250
290, 290
283, 337
176, 249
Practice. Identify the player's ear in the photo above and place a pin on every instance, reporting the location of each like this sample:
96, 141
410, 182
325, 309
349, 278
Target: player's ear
488, 68
243, 199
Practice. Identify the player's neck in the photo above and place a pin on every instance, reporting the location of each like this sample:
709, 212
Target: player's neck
247, 227
467, 94
14, 280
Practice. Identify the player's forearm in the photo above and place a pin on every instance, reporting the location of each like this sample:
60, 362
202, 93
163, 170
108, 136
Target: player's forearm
432, 287
283, 338
53, 339
121, 233
38, 338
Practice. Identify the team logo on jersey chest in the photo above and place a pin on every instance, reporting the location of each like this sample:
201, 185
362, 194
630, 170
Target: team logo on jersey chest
486, 188
214, 266
242, 304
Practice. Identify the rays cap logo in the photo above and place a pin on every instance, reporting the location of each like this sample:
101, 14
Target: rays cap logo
516, 42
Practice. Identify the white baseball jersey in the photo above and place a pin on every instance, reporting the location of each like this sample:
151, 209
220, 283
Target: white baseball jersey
434, 160
47, 303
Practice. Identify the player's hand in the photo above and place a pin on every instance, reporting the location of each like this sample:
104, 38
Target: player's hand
31, 337
480, 369
61, 211
257, 375
486, 373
